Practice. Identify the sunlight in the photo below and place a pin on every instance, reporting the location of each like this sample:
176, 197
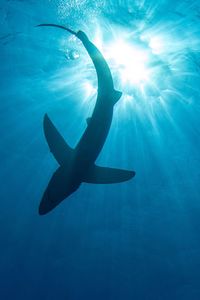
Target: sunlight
131, 62
156, 45
144, 65
89, 89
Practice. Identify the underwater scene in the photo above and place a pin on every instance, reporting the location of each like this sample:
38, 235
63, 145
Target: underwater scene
100, 150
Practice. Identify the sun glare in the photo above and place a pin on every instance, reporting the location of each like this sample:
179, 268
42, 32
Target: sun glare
146, 65
89, 89
131, 62
134, 67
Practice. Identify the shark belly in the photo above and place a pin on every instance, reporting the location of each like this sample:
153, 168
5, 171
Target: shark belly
94, 137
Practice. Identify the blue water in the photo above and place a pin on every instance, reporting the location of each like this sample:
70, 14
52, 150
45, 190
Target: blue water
137, 240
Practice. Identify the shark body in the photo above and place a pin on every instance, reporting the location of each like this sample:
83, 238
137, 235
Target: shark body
78, 165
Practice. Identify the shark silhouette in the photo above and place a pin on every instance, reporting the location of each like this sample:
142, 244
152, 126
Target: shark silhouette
78, 165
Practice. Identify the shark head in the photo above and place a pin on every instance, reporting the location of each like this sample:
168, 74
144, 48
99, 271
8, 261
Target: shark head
59, 188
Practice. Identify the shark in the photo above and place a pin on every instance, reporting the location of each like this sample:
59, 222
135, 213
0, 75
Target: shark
78, 165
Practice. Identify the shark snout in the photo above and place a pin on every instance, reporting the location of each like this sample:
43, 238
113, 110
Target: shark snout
45, 205
59, 188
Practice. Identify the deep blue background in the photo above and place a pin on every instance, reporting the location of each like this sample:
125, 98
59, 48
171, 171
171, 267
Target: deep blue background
137, 240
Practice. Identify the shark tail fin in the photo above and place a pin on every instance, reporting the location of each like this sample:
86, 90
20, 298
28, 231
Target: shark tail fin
58, 26
102, 175
117, 96
57, 145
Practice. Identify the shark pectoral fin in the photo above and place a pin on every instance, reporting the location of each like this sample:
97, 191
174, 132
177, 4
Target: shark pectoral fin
57, 145
104, 175
117, 96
